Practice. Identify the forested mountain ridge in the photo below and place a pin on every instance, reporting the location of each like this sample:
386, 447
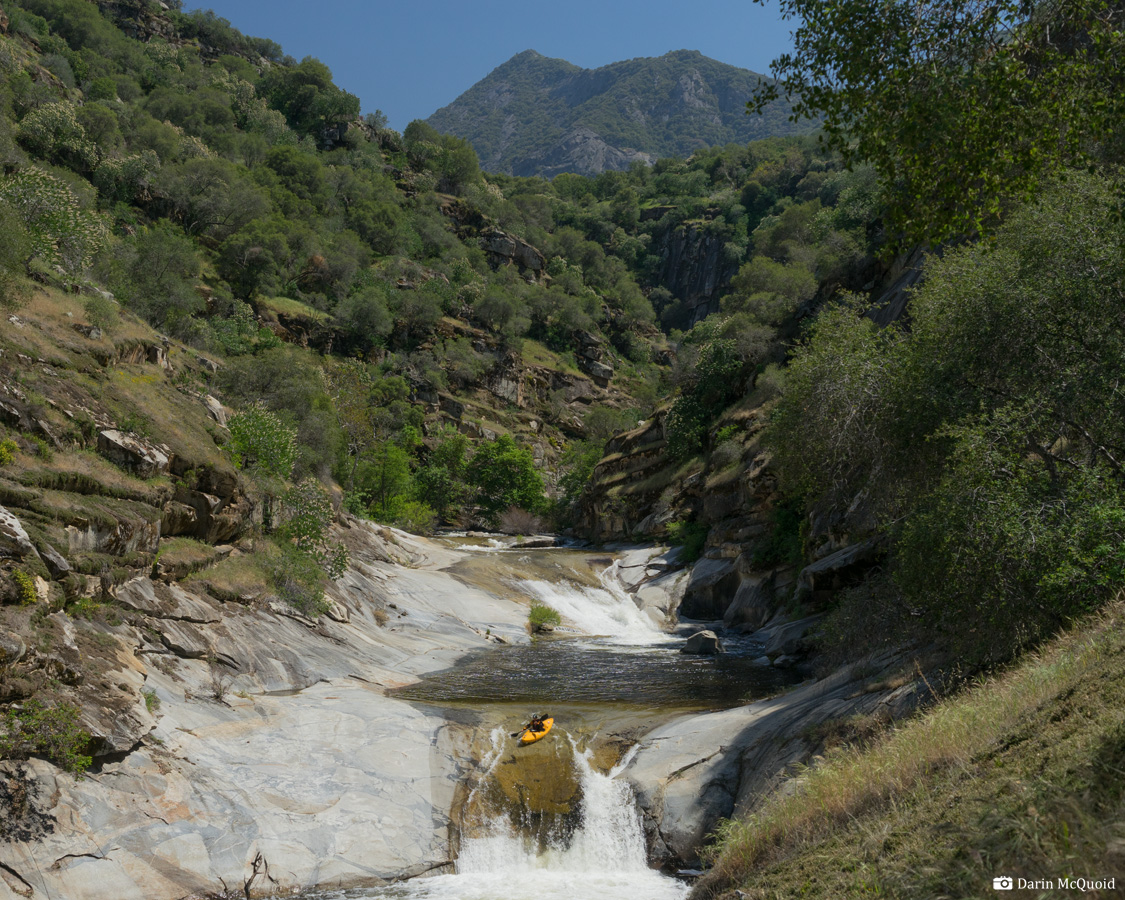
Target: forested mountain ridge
535, 115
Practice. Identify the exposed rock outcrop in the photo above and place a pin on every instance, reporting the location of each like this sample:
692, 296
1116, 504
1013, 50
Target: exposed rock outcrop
695, 268
143, 459
696, 770
504, 249
274, 735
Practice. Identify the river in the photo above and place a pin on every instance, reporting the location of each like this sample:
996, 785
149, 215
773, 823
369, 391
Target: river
555, 819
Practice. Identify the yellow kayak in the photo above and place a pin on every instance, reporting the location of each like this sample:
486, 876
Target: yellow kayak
530, 737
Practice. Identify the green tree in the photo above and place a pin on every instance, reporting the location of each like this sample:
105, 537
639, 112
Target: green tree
60, 229
503, 475
307, 97
959, 104
440, 481
14, 252
260, 441
308, 556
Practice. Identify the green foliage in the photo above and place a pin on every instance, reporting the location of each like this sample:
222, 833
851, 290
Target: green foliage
504, 475
101, 312
8, 450
25, 588
988, 433
307, 97
61, 232
691, 536
260, 441
541, 614
716, 381
14, 253
152, 700
784, 545
35, 729
308, 558
961, 104
53, 132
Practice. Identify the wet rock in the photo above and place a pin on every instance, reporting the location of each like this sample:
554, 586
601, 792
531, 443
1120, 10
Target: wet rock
14, 542
704, 643
134, 455
698, 769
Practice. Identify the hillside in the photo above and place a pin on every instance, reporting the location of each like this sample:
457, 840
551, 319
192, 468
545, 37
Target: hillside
539, 116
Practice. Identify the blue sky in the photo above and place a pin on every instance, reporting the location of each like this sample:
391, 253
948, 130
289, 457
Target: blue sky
411, 57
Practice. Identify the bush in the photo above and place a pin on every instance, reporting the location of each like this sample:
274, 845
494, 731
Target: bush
261, 441
102, 312
48, 731
692, 536
8, 450
519, 521
25, 588
541, 614
307, 560
504, 475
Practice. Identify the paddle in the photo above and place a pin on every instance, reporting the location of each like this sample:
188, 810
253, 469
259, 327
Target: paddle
525, 728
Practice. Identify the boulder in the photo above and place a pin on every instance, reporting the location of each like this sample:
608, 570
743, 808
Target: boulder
215, 409
753, 603
12, 648
705, 643
710, 589
134, 455
14, 542
599, 371
56, 564
786, 640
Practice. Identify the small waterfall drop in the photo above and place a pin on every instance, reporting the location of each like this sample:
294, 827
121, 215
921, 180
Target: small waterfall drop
602, 858
606, 611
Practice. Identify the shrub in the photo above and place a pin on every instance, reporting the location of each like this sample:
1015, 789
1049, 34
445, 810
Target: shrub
541, 614
691, 536
261, 441
102, 312
307, 559
25, 588
48, 731
519, 521
504, 475
8, 449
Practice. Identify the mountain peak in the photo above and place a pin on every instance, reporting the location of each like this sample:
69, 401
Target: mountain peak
535, 115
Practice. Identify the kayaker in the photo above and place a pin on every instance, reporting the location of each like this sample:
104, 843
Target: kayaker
536, 724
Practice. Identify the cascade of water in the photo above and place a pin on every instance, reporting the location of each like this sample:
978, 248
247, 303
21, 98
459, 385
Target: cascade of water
607, 610
604, 858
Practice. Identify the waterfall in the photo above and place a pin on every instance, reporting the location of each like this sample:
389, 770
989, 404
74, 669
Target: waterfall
603, 858
607, 610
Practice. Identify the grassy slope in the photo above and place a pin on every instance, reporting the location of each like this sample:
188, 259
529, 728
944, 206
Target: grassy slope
1023, 775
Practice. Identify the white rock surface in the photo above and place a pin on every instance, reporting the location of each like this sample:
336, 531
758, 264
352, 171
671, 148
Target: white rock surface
698, 769
305, 759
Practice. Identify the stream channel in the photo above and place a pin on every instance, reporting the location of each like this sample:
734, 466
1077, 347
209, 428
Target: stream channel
554, 819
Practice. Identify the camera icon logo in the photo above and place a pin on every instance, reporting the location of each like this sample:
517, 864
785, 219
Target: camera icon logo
1002, 883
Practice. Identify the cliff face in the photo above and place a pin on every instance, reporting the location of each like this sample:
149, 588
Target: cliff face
695, 268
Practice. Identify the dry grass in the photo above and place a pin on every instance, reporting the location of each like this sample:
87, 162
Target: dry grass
239, 577
913, 776
84, 471
286, 306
